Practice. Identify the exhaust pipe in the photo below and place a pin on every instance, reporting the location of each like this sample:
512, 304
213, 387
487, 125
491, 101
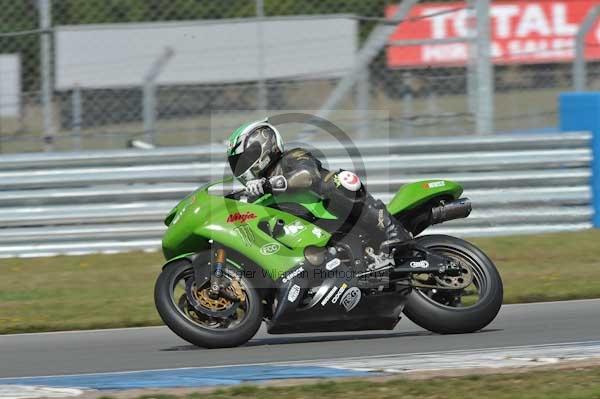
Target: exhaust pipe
461, 208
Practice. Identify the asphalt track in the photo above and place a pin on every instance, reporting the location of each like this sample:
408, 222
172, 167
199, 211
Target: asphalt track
157, 348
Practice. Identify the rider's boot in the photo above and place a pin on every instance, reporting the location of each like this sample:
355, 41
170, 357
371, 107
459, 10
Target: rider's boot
392, 233
396, 236
396, 240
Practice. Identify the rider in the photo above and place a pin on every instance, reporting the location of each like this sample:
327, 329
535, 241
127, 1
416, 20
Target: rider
256, 156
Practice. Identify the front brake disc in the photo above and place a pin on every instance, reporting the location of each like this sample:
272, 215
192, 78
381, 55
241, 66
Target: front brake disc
201, 301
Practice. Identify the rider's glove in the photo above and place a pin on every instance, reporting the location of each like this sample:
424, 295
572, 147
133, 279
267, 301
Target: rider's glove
278, 184
275, 185
256, 187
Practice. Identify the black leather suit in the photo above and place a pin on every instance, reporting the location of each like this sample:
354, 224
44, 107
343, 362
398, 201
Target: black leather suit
353, 205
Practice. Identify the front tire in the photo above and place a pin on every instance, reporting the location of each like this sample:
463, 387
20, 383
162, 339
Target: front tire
429, 312
173, 309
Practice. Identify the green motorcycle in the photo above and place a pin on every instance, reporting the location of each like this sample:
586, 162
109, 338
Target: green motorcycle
234, 262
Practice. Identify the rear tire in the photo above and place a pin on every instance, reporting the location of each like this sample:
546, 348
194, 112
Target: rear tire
444, 319
193, 332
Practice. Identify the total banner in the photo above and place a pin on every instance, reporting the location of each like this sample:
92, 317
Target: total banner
523, 32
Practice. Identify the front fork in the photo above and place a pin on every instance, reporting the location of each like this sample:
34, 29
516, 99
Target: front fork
212, 274
217, 262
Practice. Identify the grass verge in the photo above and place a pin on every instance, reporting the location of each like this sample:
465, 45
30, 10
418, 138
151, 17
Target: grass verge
556, 384
102, 291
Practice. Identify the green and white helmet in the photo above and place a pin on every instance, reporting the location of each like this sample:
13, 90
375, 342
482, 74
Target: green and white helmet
252, 148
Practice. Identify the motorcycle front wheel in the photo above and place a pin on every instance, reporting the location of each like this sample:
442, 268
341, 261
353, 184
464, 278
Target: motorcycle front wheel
457, 311
193, 315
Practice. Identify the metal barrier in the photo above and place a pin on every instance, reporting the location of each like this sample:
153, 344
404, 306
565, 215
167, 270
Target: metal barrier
115, 201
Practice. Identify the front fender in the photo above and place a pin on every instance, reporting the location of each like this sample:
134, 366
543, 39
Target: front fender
188, 256
201, 273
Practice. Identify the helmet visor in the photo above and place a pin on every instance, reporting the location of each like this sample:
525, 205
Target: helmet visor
240, 163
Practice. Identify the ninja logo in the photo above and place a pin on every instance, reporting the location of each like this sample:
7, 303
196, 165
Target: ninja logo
240, 217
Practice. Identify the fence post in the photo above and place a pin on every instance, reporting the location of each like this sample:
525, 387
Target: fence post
485, 70
472, 59
579, 67
45, 23
77, 116
263, 101
578, 112
407, 104
149, 94
362, 103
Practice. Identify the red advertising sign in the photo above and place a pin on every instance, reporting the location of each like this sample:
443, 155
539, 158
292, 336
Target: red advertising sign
523, 32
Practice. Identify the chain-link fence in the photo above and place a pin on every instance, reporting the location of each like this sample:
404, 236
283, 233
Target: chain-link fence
110, 83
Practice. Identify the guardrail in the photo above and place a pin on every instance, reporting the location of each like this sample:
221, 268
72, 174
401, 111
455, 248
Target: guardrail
115, 201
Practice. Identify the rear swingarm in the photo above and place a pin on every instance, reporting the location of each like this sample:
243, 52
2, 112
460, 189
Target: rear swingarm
428, 262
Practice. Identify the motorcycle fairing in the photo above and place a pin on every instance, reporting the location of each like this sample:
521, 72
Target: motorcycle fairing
202, 217
409, 196
237, 225
307, 200
414, 194
325, 312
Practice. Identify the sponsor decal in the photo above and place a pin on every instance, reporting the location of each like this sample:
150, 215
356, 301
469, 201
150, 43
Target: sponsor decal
294, 292
240, 217
329, 295
351, 298
435, 184
381, 219
350, 181
293, 274
333, 263
522, 32
317, 232
270, 249
339, 293
423, 264
246, 234
294, 228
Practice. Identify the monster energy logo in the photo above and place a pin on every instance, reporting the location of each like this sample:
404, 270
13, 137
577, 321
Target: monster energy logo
246, 233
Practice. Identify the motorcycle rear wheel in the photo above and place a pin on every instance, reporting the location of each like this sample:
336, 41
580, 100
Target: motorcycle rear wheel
437, 313
196, 328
